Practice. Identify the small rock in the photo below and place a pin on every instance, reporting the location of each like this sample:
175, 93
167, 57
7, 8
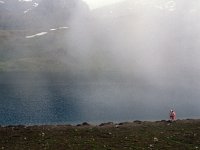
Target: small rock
104, 124
43, 134
138, 121
123, 123
163, 121
85, 124
151, 145
155, 139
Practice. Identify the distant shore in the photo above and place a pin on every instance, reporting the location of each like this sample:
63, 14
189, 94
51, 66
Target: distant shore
181, 134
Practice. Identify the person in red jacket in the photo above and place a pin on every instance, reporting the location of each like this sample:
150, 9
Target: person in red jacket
172, 115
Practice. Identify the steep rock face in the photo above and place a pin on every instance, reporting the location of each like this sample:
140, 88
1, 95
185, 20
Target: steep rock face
16, 14
20, 19
12, 14
56, 13
135, 34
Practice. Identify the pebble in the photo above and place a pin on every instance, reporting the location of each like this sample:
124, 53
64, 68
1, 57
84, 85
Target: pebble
43, 134
155, 139
151, 145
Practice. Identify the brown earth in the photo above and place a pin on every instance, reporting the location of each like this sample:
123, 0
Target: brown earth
160, 135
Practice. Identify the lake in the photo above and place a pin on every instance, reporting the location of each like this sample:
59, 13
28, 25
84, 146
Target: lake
50, 98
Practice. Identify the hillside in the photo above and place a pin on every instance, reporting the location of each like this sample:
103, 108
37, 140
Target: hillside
123, 36
20, 15
56, 50
21, 50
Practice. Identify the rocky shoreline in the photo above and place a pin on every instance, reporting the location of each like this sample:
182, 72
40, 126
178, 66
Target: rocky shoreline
181, 134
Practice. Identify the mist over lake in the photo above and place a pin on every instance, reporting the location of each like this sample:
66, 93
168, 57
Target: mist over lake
57, 99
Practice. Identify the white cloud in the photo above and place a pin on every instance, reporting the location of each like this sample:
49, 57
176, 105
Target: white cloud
100, 3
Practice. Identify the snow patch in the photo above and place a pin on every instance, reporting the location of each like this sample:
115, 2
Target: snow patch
59, 28
25, 0
27, 10
171, 5
43, 33
63, 27
35, 5
36, 35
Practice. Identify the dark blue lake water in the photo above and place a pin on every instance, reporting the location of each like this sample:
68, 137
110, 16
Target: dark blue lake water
59, 99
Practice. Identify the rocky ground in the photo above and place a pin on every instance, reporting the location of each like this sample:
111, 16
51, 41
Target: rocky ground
180, 135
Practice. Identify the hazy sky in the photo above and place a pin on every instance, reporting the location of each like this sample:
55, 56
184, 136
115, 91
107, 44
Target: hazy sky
99, 3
